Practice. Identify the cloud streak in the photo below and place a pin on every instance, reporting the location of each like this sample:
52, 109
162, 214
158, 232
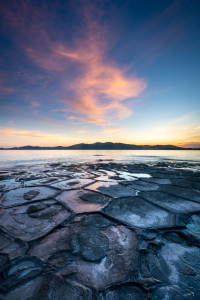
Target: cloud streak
28, 133
97, 87
113, 130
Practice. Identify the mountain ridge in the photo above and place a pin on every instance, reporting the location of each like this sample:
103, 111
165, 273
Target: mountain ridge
103, 146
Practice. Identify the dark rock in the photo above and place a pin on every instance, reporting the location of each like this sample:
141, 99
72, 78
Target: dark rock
175, 237
91, 243
182, 192
111, 189
171, 203
31, 195
14, 248
71, 184
32, 221
50, 287
143, 186
125, 292
193, 227
90, 253
44, 181
158, 180
28, 194
186, 183
21, 270
9, 184
139, 213
183, 267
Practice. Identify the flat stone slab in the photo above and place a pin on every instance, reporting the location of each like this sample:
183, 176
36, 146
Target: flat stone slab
177, 267
193, 227
81, 201
139, 213
9, 184
186, 183
44, 181
83, 175
72, 184
158, 180
182, 192
20, 270
13, 248
32, 176
143, 186
92, 251
171, 203
31, 221
112, 189
50, 286
27, 195
124, 292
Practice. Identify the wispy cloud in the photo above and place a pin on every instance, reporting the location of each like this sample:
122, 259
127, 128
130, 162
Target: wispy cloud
97, 89
114, 129
81, 131
29, 133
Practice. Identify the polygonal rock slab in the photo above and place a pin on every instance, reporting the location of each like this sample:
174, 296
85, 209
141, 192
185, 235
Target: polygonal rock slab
124, 292
93, 251
186, 183
50, 287
27, 195
192, 224
72, 184
158, 180
32, 176
32, 221
177, 269
20, 270
14, 248
112, 189
83, 201
44, 181
182, 192
171, 203
193, 178
139, 213
143, 186
82, 175
9, 184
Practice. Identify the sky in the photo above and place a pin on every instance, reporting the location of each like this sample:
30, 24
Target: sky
86, 71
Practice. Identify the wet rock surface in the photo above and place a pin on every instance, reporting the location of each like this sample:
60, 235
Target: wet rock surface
103, 231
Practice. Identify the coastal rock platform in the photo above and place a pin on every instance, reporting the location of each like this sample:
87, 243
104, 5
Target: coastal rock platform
101, 231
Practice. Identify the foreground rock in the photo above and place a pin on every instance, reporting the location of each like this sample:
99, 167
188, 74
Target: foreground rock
101, 231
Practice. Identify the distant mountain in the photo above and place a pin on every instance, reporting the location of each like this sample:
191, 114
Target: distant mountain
103, 146
118, 146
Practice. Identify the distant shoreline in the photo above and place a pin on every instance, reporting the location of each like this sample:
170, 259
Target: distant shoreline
103, 146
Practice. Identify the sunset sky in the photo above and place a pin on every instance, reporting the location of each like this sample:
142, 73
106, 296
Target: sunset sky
83, 71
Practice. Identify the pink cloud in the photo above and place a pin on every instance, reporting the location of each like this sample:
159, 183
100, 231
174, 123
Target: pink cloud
98, 87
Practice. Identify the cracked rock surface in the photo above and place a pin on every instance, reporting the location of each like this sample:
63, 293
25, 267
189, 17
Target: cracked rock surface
101, 231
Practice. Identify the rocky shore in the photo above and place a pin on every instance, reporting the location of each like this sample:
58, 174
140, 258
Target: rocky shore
102, 231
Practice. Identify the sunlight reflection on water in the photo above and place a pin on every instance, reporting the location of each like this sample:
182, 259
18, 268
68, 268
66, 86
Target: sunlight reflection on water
21, 157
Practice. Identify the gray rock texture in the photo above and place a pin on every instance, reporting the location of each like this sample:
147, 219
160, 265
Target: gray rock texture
102, 231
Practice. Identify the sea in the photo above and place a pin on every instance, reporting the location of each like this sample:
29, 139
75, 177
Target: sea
188, 158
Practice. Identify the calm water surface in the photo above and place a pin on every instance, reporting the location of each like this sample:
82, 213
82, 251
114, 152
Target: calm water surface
23, 157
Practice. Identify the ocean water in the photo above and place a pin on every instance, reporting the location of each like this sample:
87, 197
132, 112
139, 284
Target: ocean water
10, 158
